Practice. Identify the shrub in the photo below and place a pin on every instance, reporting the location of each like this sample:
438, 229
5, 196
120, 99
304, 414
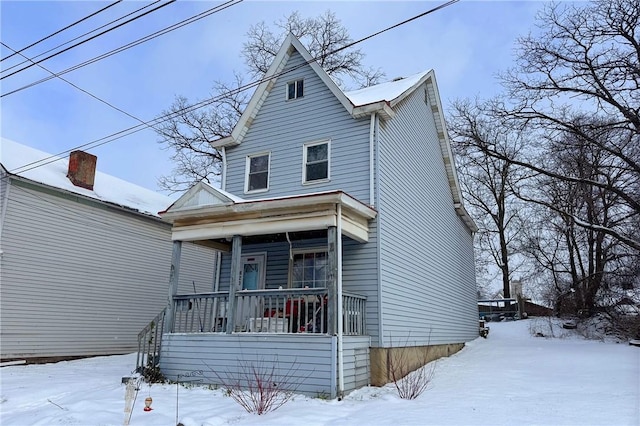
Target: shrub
261, 387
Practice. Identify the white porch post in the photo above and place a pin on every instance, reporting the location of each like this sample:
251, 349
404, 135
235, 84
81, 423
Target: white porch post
236, 255
174, 276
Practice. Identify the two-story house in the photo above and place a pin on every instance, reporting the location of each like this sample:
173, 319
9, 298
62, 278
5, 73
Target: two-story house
343, 235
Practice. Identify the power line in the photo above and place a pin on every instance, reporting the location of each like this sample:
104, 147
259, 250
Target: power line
166, 30
61, 30
88, 39
134, 129
77, 87
80, 36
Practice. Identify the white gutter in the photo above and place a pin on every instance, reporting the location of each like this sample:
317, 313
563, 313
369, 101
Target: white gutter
339, 295
223, 182
372, 125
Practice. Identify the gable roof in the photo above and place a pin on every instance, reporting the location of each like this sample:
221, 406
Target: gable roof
391, 92
53, 173
380, 99
202, 194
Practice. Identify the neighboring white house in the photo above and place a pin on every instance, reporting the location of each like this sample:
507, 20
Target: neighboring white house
344, 235
84, 257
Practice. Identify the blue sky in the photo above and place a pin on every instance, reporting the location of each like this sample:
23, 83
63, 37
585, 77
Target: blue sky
466, 44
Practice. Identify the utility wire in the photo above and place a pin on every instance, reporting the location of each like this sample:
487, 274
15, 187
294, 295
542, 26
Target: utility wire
80, 36
61, 30
166, 30
134, 129
88, 39
79, 88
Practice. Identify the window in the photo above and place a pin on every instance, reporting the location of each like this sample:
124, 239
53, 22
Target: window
316, 162
257, 175
295, 89
309, 269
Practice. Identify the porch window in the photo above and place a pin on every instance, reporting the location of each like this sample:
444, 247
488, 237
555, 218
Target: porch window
257, 172
309, 269
316, 162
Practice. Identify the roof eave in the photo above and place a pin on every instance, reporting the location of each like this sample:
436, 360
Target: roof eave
382, 108
248, 206
224, 142
110, 204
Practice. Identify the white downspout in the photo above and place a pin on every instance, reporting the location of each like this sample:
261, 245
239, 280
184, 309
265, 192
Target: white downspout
339, 295
223, 182
380, 209
372, 126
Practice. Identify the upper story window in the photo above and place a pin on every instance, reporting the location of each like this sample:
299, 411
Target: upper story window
257, 172
309, 268
295, 89
316, 162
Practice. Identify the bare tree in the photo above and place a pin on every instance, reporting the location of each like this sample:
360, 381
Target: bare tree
488, 184
586, 259
323, 36
585, 61
189, 131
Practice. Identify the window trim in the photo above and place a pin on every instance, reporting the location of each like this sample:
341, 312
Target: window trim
315, 249
305, 181
295, 83
247, 167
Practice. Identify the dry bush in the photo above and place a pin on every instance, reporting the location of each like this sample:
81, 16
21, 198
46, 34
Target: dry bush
261, 387
410, 382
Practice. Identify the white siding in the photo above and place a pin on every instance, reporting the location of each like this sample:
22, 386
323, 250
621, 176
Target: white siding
283, 127
78, 278
427, 266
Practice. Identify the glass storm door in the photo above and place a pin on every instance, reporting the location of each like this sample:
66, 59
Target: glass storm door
252, 277
252, 271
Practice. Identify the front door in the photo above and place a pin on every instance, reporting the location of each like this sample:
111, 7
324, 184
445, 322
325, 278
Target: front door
252, 277
252, 272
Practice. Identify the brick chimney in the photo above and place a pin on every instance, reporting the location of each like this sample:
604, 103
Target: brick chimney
82, 169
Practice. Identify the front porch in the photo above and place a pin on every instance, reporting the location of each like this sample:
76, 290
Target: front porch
278, 299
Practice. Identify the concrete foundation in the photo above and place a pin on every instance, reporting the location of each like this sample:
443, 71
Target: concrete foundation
405, 359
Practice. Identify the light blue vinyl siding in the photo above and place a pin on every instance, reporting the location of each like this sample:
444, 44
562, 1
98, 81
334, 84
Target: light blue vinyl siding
306, 361
282, 127
427, 266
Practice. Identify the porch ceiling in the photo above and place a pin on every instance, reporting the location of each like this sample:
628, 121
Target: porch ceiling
272, 216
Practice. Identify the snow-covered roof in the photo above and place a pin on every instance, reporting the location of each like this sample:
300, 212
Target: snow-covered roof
387, 92
53, 172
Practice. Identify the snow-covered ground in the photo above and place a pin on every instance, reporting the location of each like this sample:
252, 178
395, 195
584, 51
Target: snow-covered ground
511, 378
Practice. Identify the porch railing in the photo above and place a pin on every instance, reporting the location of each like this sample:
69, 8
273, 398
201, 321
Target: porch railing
353, 311
149, 342
266, 311
203, 312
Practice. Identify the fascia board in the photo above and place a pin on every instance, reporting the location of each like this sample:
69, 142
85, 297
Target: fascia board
429, 75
